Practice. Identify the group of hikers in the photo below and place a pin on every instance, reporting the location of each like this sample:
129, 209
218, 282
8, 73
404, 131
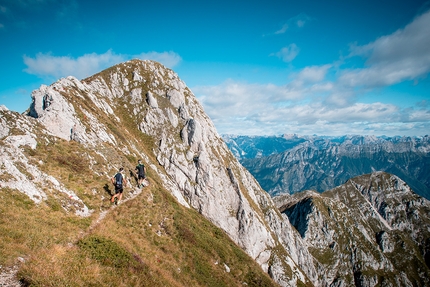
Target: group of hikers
120, 181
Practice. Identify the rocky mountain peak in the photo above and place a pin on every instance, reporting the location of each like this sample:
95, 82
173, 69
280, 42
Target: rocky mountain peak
142, 110
76, 134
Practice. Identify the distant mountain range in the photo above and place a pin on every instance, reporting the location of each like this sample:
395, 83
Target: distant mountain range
292, 163
203, 220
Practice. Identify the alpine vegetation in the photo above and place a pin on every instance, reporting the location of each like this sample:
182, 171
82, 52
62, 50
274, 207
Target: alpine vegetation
202, 219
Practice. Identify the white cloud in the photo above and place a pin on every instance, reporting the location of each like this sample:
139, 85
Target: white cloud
419, 115
403, 55
283, 29
288, 53
269, 109
298, 21
250, 97
326, 100
313, 73
47, 65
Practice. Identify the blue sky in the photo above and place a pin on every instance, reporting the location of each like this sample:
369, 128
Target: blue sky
257, 67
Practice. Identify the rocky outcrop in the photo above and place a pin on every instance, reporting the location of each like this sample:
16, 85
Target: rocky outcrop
18, 173
142, 110
191, 158
351, 231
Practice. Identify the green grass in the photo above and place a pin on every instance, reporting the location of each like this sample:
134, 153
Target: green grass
147, 243
26, 226
151, 240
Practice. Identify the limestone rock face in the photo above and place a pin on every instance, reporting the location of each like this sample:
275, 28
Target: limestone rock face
359, 228
4, 129
142, 110
192, 160
53, 110
52, 106
18, 173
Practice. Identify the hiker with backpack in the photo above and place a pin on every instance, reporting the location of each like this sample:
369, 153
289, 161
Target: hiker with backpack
119, 181
141, 171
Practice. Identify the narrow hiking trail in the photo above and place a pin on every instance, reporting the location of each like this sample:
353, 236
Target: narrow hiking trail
8, 274
133, 194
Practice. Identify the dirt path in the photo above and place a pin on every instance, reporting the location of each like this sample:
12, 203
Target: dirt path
8, 274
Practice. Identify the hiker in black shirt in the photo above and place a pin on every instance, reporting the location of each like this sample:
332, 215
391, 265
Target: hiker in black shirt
141, 171
119, 181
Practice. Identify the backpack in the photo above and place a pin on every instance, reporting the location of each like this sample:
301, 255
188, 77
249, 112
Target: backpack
117, 180
141, 167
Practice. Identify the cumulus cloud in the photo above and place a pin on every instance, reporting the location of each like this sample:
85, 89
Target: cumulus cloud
326, 99
47, 65
239, 100
312, 74
288, 53
269, 109
403, 55
265, 109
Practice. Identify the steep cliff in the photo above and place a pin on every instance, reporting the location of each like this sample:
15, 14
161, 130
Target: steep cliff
203, 220
140, 109
371, 231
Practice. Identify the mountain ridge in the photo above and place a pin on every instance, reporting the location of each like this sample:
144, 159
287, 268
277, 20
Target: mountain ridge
378, 226
192, 226
322, 163
111, 114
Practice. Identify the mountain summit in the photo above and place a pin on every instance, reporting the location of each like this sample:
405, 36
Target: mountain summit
201, 203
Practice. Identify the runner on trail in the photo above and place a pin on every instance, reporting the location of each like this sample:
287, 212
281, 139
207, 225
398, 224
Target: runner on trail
119, 181
141, 171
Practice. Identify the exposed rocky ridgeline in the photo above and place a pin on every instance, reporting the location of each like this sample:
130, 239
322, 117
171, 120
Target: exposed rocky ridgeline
57, 161
371, 231
321, 163
140, 109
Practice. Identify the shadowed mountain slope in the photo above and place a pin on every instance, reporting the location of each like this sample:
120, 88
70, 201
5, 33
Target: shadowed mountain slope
203, 220
371, 231
78, 133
